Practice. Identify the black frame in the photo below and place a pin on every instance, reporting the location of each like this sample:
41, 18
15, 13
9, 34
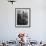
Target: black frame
28, 18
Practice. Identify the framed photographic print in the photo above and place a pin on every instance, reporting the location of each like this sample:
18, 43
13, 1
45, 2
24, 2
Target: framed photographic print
22, 17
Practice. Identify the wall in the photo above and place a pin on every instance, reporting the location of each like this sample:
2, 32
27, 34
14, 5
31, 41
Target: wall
8, 31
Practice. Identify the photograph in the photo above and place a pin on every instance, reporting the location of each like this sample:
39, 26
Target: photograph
22, 17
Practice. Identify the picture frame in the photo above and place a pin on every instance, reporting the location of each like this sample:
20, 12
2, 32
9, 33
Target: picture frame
22, 17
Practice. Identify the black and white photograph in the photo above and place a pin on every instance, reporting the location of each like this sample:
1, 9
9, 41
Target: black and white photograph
22, 17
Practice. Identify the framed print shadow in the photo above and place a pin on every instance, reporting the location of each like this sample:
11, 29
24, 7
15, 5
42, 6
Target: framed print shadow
22, 17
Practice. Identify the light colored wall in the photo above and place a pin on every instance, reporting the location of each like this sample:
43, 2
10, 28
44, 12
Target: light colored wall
8, 31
